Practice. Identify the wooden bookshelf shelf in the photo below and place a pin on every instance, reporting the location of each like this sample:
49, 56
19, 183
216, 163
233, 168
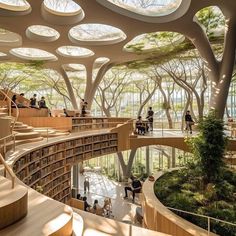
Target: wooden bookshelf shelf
49, 167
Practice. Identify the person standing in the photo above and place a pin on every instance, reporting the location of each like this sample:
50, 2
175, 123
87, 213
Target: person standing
150, 115
189, 122
86, 185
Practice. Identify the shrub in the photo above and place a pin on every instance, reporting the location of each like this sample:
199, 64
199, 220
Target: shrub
209, 147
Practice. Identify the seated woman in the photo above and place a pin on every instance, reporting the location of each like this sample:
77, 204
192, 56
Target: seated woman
140, 126
21, 101
66, 113
33, 102
97, 209
86, 205
42, 103
14, 101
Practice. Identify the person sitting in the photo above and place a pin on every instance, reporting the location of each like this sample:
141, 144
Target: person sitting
42, 103
66, 113
86, 205
79, 197
139, 126
14, 101
135, 187
84, 107
33, 102
21, 101
97, 209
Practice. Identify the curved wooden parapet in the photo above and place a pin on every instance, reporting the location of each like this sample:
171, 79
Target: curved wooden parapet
48, 217
176, 142
13, 203
158, 217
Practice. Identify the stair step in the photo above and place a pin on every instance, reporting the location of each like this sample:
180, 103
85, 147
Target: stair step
30, 135
23, 129
2, 114
13, 202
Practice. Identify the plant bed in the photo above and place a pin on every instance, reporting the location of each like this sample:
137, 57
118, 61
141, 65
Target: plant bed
206, 186
183, 189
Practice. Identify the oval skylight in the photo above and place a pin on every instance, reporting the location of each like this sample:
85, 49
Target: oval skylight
96, 34
149, 7
33, 54
14, 5
8, 38
42, 33
3, 54
154, 41
73, 51
64, 7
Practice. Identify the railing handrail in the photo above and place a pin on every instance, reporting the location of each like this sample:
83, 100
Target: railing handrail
204, 216
17, 109
6, 137
8, 169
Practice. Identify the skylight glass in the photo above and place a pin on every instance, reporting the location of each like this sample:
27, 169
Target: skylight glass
62, 6
42, 33
154, 41
42, 30
149, 7
97, 32
17, 3
32, 54
73, 51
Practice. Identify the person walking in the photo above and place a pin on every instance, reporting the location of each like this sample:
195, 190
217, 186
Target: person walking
149, 117
86, 185
189, 122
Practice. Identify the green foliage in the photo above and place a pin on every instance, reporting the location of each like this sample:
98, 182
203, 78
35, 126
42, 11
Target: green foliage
181, 189
211, 18
209, 147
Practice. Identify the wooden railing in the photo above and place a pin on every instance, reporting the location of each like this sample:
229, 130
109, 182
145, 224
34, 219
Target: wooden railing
9, 170
9, 108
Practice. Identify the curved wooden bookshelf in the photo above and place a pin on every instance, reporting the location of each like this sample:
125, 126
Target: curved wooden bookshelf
48, 167
49, 217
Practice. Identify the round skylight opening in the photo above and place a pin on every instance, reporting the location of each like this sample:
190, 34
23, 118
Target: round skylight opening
33, 54
15, 5
8, 38
154, 41
100, 34
149, 7
62, 7
73, 51
42, 33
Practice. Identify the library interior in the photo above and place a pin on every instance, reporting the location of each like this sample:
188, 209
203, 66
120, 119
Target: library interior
117, 117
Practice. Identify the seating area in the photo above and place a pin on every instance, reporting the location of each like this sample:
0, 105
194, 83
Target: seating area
117, 118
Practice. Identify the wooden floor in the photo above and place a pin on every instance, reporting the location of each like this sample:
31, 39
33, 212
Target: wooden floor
44, 217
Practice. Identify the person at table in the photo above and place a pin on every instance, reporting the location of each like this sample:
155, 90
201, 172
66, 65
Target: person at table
135, 187
150, 114
14, 101
21, 101
66, 113
140, 125
84, 108
86, 205
33, 102
42, 103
